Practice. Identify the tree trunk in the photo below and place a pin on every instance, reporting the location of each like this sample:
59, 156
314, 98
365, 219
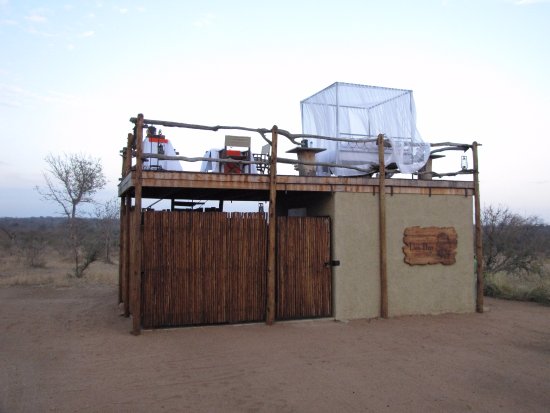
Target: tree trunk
75, 247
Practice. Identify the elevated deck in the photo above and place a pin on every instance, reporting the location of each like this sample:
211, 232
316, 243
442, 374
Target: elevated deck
214, 186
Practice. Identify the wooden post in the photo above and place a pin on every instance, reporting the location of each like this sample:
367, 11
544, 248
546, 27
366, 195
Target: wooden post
136, 253
127, 157
122, 260
127, 254
121, 234
121, 248
382, 229
126, 294
479, 241
272, 240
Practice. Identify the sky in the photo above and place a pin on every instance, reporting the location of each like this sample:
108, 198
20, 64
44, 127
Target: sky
72, 74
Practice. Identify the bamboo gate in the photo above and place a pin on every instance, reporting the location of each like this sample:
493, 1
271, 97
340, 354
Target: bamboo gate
184, 283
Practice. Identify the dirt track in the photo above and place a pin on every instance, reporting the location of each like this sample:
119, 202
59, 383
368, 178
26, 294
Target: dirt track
69, 350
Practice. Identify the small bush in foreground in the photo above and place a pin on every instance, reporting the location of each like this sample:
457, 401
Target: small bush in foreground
513, 243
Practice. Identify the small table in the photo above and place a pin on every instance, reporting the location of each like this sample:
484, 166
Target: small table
425, 173
306, 155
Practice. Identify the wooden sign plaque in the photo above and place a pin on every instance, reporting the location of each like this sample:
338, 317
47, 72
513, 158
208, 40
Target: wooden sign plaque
430, 245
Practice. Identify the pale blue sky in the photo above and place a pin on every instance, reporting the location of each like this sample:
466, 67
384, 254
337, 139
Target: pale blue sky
73, 72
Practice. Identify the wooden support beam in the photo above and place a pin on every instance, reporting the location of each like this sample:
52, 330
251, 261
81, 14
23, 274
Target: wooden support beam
272, 236
382, 229
121, 249
123, 261
127, 156
136, 253
479, 240
127, 254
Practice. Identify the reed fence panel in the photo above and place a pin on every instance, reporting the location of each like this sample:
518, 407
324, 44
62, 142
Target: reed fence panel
203, 268
304, 274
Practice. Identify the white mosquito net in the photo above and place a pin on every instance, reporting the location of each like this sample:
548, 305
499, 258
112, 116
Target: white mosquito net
350, 111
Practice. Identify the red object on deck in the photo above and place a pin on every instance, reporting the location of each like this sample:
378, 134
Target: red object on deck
158, 140
232, 168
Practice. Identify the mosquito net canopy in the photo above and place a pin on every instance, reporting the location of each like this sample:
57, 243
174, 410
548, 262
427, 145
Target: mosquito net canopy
350, 111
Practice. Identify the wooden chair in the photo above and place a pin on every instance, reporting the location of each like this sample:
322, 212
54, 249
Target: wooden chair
263, 159
237, 148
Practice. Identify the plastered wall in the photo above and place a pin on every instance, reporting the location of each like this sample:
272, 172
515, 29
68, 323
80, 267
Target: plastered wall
418, 289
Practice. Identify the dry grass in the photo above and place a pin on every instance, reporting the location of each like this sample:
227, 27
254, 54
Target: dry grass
57, 270
14, 270
523, 287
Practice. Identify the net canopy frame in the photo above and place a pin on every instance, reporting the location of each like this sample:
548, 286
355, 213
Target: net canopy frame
362, 112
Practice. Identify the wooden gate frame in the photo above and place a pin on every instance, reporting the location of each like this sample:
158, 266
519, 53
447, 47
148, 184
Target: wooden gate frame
203, 268
211, 268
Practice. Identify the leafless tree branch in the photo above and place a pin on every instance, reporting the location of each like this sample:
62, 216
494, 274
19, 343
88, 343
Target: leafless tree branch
72, 180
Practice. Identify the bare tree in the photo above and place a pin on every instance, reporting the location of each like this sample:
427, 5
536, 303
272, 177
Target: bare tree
107, 215
72, 180
511, 243
12, 236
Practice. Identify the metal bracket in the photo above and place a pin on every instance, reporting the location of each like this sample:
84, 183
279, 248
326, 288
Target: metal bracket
333, 263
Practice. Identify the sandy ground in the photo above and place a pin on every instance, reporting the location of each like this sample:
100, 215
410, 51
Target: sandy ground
69, 350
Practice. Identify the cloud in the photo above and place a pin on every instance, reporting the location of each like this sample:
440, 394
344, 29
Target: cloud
53, 96
206, 20
12, 96
529, 2
9, 22
36, 18
42, 33
89, 33
17, 97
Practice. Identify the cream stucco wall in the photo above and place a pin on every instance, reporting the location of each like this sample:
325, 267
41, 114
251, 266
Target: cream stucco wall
418, 289
430, 289
356, 282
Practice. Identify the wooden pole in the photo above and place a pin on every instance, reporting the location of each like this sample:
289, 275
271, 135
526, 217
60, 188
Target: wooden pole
272, 236
382, 229
121, 234
121, 248
127, 254
126, 294
126, 157
479, 240
136, 253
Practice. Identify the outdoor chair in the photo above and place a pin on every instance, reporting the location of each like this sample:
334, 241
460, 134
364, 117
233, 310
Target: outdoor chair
236, 148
